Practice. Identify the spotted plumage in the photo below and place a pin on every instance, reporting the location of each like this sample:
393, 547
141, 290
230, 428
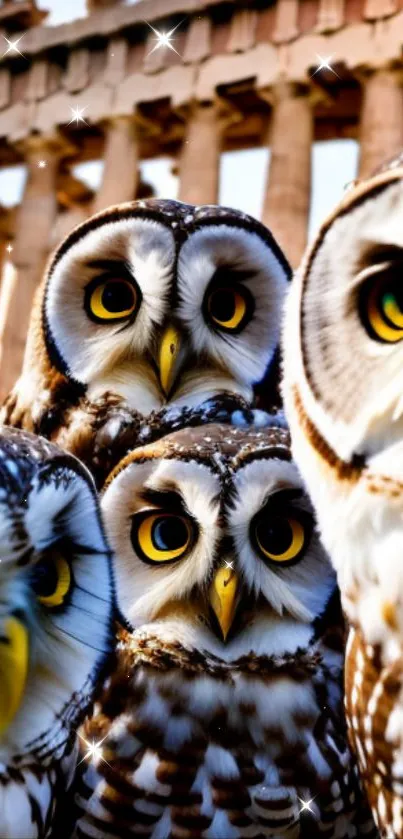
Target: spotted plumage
147, 305
56, 632
343, 395
223, 718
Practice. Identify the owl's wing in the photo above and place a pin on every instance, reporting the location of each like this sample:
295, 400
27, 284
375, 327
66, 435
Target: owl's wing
374, 704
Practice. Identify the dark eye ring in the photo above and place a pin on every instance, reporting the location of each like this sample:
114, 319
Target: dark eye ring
161, 537
52, 579
112, 298
229, 308
381, 306
280, 537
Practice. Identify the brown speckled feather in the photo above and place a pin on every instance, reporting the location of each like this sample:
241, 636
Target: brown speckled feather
216, 784
373, 694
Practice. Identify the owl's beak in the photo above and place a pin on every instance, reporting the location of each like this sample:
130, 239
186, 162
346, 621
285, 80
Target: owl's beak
223, 598
168, 356
14, 658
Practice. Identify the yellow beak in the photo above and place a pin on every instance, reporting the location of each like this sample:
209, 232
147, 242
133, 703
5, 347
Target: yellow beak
169, 351
223, 598
14, 657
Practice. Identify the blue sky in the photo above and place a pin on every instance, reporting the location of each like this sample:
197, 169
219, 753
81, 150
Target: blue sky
242, 174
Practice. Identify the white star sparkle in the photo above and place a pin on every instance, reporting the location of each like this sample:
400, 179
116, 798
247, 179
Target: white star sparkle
94, 751
13, 46
163, 39
325, 65
9, 248
228, 564
306, 806
42, 164
77, 114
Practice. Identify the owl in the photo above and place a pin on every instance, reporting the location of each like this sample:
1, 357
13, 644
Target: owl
223, 718
149, 304
343, 348
56, 625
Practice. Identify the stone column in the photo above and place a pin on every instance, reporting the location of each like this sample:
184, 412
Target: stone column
121, 156
199, 161
381, 124
35, 219
287, 198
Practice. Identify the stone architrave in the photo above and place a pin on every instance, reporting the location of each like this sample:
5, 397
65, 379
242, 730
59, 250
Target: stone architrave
287, 197
121, 156
381, 123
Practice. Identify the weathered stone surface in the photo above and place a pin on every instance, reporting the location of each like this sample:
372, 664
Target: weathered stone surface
330, 15
260, 63
381, 126
176, 83
37, 87
36, 217
66, 221
121, 155
198, 40
200, 156
77, 76
243, 30
117, 53
374, 9
286, 205
5, 85
286, 26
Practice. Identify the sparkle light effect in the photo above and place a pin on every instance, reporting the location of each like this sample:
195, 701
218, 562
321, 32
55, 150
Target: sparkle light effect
9, 248
42, 164
94, 751
13, 46
306, 806
228, 564
325, 65
163, 39
77, 114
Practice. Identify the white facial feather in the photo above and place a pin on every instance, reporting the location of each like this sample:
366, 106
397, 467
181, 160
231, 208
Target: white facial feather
142, 590
158, 597
67, 645
173, 274
303, 589
94, 351
247, 354
347, 384
354, 392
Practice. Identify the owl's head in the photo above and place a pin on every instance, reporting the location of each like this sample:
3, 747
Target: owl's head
215, 541
343, 348
56, 595
159, 301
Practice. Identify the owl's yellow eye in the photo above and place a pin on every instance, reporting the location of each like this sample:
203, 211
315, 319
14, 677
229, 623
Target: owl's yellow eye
52, 580
159, 537
280, 539
382, 309
111, 299
230, 308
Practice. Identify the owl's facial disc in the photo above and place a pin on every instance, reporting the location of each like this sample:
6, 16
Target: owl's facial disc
14, 661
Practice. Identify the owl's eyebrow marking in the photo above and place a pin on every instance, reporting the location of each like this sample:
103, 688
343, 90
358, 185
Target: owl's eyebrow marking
108, 264
165, 498
289, 493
